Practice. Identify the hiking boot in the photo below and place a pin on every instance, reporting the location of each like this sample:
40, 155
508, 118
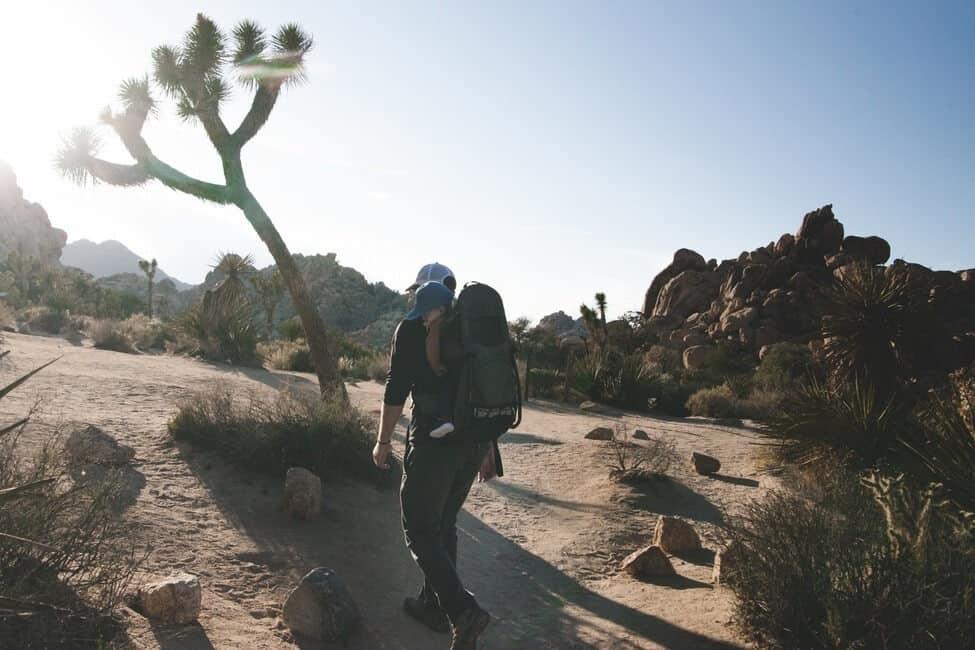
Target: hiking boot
468, 627
428, 614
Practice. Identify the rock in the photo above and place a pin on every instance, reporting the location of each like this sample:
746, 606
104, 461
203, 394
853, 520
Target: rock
759, 256
591, 407
873, 250
640, 434
648, 562
784, 246
675, 535
91, 445
321, 607
684, 260
696, 357
766, 335
763, 351
302, 494
575, 344
686, 293
601, 433
175, 600
968, 275
25, 227
735, 321
696, 337
726, 562
838, 260
704, 464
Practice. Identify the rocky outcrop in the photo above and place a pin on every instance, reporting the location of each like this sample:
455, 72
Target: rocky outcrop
684, 260
774, 293
25, 226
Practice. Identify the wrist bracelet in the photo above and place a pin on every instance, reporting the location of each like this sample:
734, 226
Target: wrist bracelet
380, 442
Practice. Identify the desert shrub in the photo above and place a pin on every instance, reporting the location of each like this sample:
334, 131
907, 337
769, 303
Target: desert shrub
66, 558
8, 317
633, 463
110, 335
667, 359
146, 333
544, 382
287, 355
716, 402
378, 367
291, 329
271, 435
783, 366
226, 335
44, 319
669, 394
860, 567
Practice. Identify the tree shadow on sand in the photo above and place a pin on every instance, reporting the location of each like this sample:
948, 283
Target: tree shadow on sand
673, 499
182, 637
359, 536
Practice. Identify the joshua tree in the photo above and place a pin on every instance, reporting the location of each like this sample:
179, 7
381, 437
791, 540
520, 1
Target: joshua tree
195, 76
149, 268
270, 289
601, 305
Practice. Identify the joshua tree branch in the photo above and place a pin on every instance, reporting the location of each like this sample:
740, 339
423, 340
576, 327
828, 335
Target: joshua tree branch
129, 130
116, 174
260, 110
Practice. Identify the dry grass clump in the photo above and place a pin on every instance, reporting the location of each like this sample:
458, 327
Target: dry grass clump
8, 316
287, 355
110, 335
44, 320
632, 463
290, 430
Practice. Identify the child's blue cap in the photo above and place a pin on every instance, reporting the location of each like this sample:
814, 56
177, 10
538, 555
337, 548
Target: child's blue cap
430, 296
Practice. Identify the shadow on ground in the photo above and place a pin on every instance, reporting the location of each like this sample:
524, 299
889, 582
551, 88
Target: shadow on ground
358, 535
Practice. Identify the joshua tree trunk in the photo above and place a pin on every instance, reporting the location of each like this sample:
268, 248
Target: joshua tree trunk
325, 363
150, 298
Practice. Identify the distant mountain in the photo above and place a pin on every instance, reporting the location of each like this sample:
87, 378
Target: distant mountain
108, 258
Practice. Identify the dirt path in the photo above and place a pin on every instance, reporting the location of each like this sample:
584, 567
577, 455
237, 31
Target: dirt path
539, 548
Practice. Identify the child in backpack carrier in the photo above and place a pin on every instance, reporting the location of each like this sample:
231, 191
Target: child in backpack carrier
445, 398
433, 299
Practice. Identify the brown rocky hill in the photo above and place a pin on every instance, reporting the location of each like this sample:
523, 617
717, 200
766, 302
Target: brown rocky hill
25, 226
773, 293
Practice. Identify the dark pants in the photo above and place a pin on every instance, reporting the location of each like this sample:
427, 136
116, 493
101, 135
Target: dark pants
436, 479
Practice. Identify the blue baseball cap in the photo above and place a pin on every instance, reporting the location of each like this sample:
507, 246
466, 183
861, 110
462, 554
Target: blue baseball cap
430, 296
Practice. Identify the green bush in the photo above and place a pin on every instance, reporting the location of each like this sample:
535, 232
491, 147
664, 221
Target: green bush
44, 320
716, 402
783, 366
291, 329
839, 572
271, 435
378, 368
545, 382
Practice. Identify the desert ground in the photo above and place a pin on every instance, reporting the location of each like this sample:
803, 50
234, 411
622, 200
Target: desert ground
540, 547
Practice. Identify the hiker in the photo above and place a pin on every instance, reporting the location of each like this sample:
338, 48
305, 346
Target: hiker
437, 473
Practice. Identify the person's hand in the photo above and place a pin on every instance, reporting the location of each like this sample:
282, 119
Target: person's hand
380, 454
488, 468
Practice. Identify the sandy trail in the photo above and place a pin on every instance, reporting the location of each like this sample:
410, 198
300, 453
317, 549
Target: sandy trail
539, 547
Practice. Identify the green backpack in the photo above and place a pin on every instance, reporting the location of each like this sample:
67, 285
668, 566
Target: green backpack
488, 401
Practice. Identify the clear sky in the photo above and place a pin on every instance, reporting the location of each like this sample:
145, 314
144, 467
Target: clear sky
550, 149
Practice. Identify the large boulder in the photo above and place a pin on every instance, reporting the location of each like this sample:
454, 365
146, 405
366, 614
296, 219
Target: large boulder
302, 494
737, 320
686, 293
600, 433
684, 260
873, 250
92, 446
648, 562
726, 563
676, 536
175, 600
696, 357
704, 464
321, 607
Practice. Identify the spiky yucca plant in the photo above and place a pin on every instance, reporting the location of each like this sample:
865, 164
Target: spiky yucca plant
198, 76
149, 268
875, 328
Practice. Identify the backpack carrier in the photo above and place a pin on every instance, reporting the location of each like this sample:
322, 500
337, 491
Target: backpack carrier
488, 399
